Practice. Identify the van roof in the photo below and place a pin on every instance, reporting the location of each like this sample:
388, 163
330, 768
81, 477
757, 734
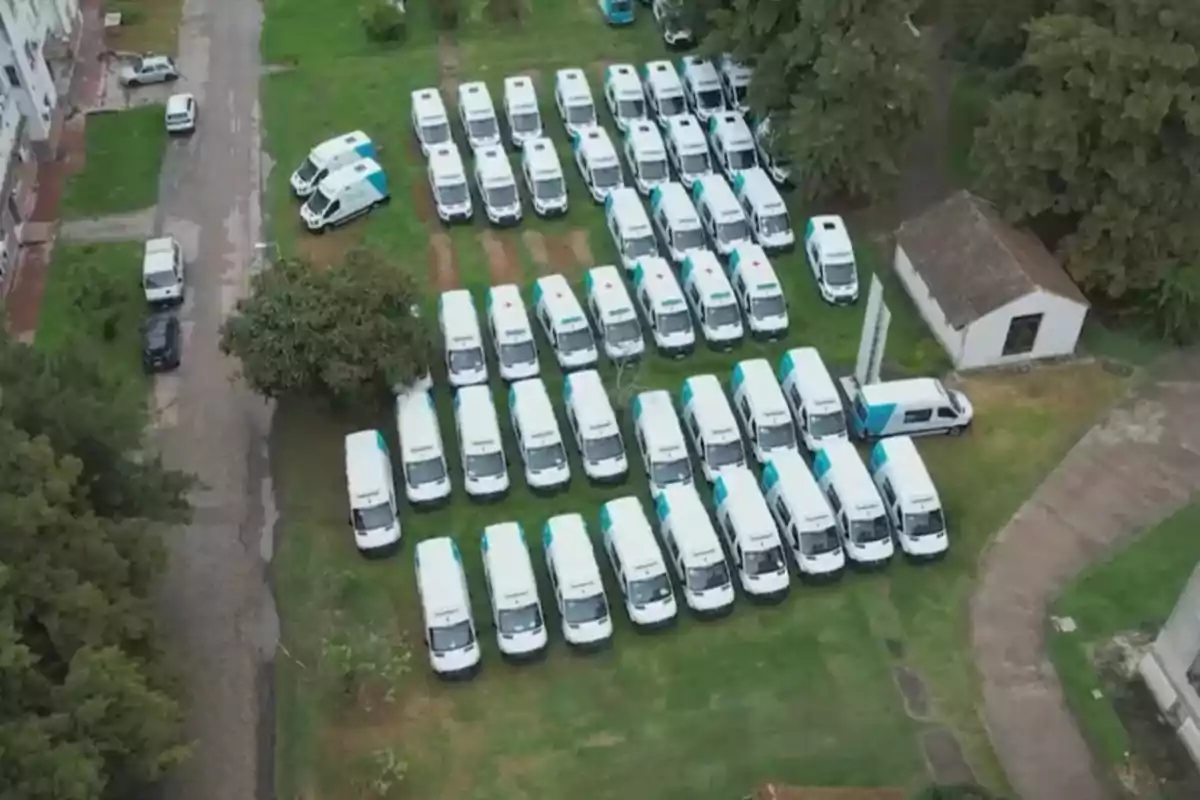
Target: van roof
751, 262
342, 177
624, 80
692, 529
595, 145
519, 92
626, 207
830, 231
656, 275
703, 269
417, 424
612, 299
903, 392
475, 99
699, 71
807, 369
731, 128
703, 393
445, 161
541, 157
439, 568
714, 190
910, 477
366, 475
493, 165
676, 204
585, 392
646, 140
555, 293
808, 504
737, 490
507, 309
475, 411
663, 78
766, 398
840, 461
688, 135
428, 106
457, 309
624, 523
158, 255
738, 73
662, 431
178, 103
566, 536
511, 573
530, 401
332, 147
573, 86
756, 185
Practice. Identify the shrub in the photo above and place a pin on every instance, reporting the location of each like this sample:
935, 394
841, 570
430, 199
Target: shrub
445, 14
384, 22
504, 10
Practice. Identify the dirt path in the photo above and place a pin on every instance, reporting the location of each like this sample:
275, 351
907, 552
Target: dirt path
443, 264
581, 249
1125, 475
536, 244
422, 202
448, 66
504, 264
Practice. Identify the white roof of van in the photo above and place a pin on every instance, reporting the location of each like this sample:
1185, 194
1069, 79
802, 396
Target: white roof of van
542, 158
714, 190
676, 203
493, 165
663, 77
910, 477
417, 424
513, 584
646, 140
758, 377
428, 105
703, 269
458, 309
711, 407
507, 307
661, 285
475, 99
349, 175
911, 390
158, 255
559, 298
751, 262
596, 146
738, 491
476, 413
612, 298
731, 128
438, 565
624, 80
573, 86
365, 474
593, 409
692, 526
531, 402
847, 472
178, 103
757, 185
578, 572
687, 133
738, 73
700, 71
811, 375
339, 144
631, 535
663, 433
519, 91
830, 231
445, 161
799, 488
628, 210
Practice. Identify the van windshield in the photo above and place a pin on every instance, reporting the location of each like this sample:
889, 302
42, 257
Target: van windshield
815, 543
764, 307
710, 99
587, 609
448, 638
527, 122
641, 246
574, 341
739, 94
466, 359
160, 280
765, 562
720, 316
724, 455
606, 177
487, 465
552, 456
671, 106
733, 231
604, 448
742, 159
481, 128
431, 470
519, 353
520, 620
839, 274
307, 170
501, 196
623, 331
927, 524
692, 239
822, 425
870, 530
373, 518
318, 202
775, 224
771, 437
451, 194
694, 164
649, 590
549, 189
677, 471
435, 134
653, 169
630, 109
674, 322
703, 579
582, 114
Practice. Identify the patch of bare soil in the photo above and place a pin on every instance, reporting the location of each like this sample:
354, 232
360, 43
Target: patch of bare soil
581, 248
328, 249
536, 244
443, 264
504, 265
448, 65
560, 253
422, 202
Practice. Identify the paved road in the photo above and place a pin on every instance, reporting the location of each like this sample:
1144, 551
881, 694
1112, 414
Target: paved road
215, 600
1128, 473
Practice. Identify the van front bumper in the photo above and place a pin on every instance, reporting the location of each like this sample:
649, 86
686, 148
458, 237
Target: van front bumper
719, 612
676, 350
457, 215
551, 211
610, 479
509, 220
771, 598
724, 345
382, 551
769, 334
488, 497
548, 489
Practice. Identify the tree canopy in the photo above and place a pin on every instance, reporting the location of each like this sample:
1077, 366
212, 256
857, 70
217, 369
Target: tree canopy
347, 333
87, 709
843, 81
1100, 139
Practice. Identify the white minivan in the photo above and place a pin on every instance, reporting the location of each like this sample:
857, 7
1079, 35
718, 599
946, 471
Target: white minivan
765, 210
812, 397
372, 493
497, 186
664, 91
163, 271
563, 323
637, 562
539, 440
802, 513
830, 256
646, 156
694, 550
448, 183
722, 218
735, 82
758, 292
430, 123
544, 178
751, 536
511, 333
573, 99
712, 300
521, 110
422, 454
688, 149
485, 470
597, 161
462, 341
613, 314
627, 223
913, 505
759, 404
477, 114
623, 95
330, 156
770, 157
346, 194
711, 426
594, 427
862, 520
660, 441
732, 144
512, 589
701, 86
576, 583
676, 221
664, 307
446, 608
912, 407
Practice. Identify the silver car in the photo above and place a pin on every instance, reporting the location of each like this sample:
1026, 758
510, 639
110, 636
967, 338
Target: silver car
149, 69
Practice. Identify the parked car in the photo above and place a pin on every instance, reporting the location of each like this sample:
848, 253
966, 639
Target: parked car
161, 343
180, 115
149, 69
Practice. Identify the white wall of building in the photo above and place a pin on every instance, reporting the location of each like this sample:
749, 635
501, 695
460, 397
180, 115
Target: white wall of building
24, 28
952, 340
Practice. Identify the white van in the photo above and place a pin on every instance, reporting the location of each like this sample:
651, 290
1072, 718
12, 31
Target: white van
637, 562
512, 589
674, 217
711, 426
563, 322
521, 110
759, 404
573, 99
623, 95
732, 144
712, 301
462, 341
770, 157
701, 86
477, 114
812, 396
576, 583
372, 493
646, 155
497, 186
538, 439
163, 271
544, 178
658, 294
758, 292
765, 210
485, 470
722, 218
448, 184
695, 551
664, 91
511, 333
627, 223
345, 194
422, 454
597, 161
915, 406
688, 149
446, 608
735, 82
750, 533
594, 426
831, 259
861, 518
660, 441
912, 501
613, 314
430, 123
802, 513
330, 156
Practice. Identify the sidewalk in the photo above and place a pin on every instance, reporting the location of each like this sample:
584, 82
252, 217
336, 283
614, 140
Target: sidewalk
1125, 475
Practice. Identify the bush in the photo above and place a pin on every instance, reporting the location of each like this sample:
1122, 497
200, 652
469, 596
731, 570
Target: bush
445, 14
384, 22
504, 10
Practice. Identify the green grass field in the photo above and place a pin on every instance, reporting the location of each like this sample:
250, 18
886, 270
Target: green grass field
120, 173
801, 693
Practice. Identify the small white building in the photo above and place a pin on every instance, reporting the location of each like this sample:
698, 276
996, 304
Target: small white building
990, 293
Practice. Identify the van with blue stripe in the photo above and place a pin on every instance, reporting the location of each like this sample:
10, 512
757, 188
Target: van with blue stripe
759, 404
638, 563
711, 426
563, 322
576, 583
694, 550
372, 493
664, 307
759, 292
676, 221
912, 407
812, 397
613, 314
329, 156
660, 441
449, 632
802, 513
912, 501
712, 300
750, 535
720, 215
512, 588
345, 194
862, 520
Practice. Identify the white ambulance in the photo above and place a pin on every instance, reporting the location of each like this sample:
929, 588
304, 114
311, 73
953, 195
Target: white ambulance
701, 86
750, 534
765, 210
613, 314
511, 333
521, 110
720, 215
563, 322
544, 178
694, 550
422, 454
512, 589
732, 144
430, 123
812, 396
711, 426
831, 259
449, 628
676, 221
687, 148
861, 517
461, 339
802, 513
477, 114
664, 91
637, 562
627, 223
660, 441
346, 194
573, 99
712, 301
597, 161
735, 82
539, 440
594, 427
623, 95
576, 583
372, 493
759, 404
664, 307
485, 470
448, 184
646, 156
497, 186
913, 505
758, 291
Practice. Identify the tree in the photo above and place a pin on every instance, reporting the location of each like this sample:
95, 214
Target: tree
348, 333
843, 81
993, 34
1100, 142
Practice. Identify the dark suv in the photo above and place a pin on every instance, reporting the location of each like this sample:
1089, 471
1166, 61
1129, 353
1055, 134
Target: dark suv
160, 343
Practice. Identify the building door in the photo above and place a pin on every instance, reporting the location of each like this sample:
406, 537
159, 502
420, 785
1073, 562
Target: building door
1022, 335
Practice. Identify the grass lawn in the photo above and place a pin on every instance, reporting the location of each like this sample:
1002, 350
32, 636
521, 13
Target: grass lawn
1131, 593
801, 693
147, 26
120, 173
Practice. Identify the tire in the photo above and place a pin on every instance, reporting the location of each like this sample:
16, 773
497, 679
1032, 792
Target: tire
321, 230
172, 78
133, 83
955, 431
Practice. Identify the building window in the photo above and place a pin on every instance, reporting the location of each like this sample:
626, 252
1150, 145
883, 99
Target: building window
1022, 334
13, 78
